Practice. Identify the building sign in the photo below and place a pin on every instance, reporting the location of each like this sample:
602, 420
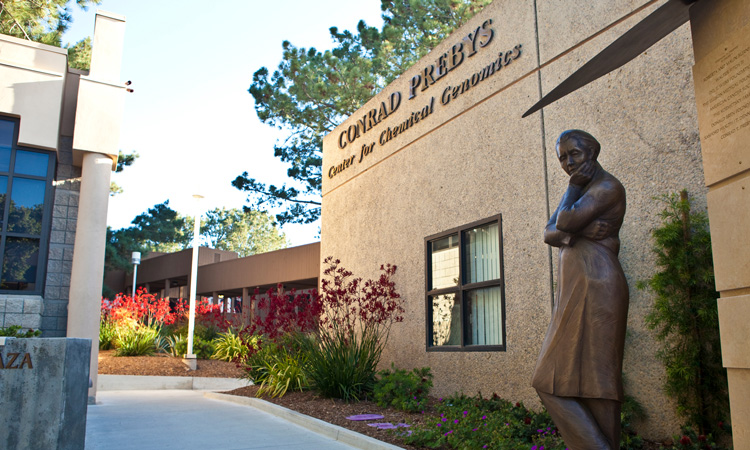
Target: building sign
471, 45
15, 361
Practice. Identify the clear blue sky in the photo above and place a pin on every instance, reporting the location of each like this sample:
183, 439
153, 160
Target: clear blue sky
191, 118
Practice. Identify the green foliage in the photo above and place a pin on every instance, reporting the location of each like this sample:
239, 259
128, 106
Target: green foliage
279, 366
475, 423
345, 367
123, 159
139, 341
689, 439
107, 335
283, 373
403, 390
177, 345
233, 347
312, 92
685, 315
203, 348
15, 331
244, 232
631, 410
38, 21
79, 55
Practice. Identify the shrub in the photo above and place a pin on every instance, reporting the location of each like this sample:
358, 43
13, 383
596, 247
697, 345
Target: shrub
476, 423
140, 341
233, 347
354, 327
107, 335
403, 390
283, 313
279, 365
685, 315
15, 331
177, 345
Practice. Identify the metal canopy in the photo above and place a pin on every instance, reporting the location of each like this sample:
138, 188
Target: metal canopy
635, 41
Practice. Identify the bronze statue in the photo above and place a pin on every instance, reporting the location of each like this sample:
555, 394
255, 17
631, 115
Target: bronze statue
578, 374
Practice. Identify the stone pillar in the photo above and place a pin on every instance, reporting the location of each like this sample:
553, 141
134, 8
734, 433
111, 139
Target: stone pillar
88, 256
721, 43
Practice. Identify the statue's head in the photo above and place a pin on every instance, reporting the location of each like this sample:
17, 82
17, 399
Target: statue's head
574, 147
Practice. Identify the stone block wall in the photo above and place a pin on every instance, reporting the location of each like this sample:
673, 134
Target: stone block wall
62, 237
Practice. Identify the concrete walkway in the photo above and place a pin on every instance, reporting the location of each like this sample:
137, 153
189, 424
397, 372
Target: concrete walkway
186, 419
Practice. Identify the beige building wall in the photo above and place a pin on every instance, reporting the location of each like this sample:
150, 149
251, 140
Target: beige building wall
32, 80
721, 33
473, 157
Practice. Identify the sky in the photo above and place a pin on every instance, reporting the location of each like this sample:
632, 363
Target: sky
190, 117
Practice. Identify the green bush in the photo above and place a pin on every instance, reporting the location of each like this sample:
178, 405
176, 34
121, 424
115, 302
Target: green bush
476, 423
344, 366
233, 347
136, 342
203, 349
279, 366
15, 331
107, 335
177, 345
685, 316
403, 390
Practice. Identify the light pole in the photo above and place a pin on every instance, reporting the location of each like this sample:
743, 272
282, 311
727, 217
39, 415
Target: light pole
135, 259
190, 358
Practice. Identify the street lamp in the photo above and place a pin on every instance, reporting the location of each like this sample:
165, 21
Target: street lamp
135, 259
190, 358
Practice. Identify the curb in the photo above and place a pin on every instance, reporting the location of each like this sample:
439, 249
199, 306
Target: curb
318, 426
141, 382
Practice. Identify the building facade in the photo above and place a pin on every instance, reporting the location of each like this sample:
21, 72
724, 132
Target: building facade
440, 175
59, 137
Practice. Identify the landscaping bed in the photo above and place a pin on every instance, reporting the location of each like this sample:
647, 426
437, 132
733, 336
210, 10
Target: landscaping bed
163, 365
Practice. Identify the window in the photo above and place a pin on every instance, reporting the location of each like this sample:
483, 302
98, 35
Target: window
465, 290
25, 201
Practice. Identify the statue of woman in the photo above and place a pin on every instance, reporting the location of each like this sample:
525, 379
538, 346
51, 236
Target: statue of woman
579, 371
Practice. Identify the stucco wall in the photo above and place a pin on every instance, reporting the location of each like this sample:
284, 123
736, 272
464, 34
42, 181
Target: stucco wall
474, 157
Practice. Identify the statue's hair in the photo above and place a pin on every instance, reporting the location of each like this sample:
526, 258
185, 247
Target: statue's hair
583, 138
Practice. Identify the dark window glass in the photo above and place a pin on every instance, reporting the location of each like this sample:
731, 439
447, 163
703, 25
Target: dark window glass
7, 135
465, 306
26, 206
3, 194
25, 186
4, 158
31, 163
20, 264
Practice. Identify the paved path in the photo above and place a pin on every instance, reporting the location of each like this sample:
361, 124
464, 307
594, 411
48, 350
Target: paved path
184, 419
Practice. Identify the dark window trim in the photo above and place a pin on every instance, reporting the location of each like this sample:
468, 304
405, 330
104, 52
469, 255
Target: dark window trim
49, 192
461, 288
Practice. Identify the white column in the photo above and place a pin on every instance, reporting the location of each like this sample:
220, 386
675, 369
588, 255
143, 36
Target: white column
88, 256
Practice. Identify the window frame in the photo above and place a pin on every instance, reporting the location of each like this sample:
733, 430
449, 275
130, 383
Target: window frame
462, 288
44, 234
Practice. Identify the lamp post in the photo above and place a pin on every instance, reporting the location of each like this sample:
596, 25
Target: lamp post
135, 259
190, 358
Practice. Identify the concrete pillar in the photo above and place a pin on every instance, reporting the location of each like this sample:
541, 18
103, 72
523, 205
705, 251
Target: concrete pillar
88, 256
721, 44
166, 288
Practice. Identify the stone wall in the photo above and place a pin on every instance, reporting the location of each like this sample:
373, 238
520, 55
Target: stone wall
62, 237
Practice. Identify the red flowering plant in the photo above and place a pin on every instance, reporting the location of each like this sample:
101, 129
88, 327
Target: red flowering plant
133, 324
354, 327
273, 354
281, 313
